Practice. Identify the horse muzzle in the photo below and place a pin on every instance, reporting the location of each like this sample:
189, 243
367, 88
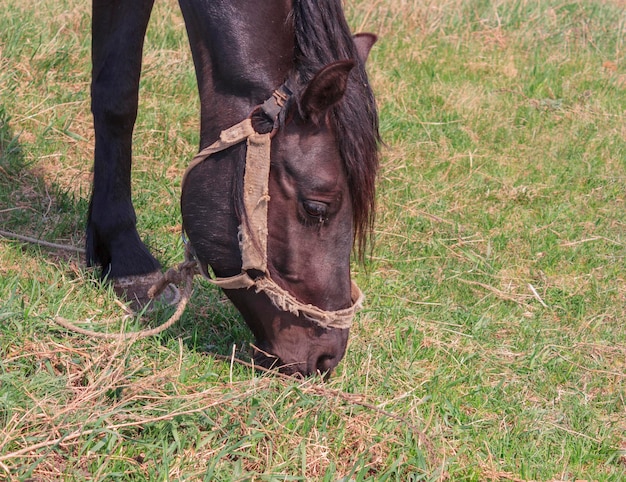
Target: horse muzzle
286, 341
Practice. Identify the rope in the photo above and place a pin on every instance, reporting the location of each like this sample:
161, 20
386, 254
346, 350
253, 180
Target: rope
182, 275
285, 301
39, 242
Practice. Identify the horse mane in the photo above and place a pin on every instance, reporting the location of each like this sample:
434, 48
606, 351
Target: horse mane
322, 36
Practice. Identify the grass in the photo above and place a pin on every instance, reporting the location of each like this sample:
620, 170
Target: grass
493, 342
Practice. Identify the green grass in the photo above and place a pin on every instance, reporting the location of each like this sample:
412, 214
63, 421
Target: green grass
493, 341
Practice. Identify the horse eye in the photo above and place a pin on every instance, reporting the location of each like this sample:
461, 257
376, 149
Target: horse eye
316, 209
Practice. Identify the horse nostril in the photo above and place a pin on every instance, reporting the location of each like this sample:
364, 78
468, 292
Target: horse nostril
325, 363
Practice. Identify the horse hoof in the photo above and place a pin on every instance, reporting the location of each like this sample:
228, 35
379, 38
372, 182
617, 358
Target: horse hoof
134, 289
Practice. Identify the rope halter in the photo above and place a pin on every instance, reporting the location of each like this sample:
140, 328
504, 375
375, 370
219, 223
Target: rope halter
253, 229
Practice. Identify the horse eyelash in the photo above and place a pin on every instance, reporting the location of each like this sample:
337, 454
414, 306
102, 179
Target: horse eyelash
309, 221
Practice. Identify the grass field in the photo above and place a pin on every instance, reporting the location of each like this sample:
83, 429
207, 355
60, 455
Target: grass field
493, 341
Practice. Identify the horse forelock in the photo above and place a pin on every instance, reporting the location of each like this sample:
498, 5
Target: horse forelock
322, 37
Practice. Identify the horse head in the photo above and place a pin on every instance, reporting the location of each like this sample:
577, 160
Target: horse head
310, 233
300, 301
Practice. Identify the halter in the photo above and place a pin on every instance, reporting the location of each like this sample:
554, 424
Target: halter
253, 229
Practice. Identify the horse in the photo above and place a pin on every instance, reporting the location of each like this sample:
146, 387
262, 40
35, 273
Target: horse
292, 74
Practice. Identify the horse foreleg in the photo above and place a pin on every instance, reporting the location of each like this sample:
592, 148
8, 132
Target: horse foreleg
118, 28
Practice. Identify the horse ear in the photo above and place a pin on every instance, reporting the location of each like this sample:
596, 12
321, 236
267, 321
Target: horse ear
325, 89
364, 42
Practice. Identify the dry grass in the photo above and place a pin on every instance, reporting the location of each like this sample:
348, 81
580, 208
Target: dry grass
108, 392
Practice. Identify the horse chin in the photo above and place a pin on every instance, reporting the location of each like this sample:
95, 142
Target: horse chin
287, 342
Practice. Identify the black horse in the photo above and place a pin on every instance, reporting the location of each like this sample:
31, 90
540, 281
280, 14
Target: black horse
324, 160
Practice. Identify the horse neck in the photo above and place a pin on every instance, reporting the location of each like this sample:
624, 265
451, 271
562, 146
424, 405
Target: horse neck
242, 51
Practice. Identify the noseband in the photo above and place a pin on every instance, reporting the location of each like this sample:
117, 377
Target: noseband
253, 228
